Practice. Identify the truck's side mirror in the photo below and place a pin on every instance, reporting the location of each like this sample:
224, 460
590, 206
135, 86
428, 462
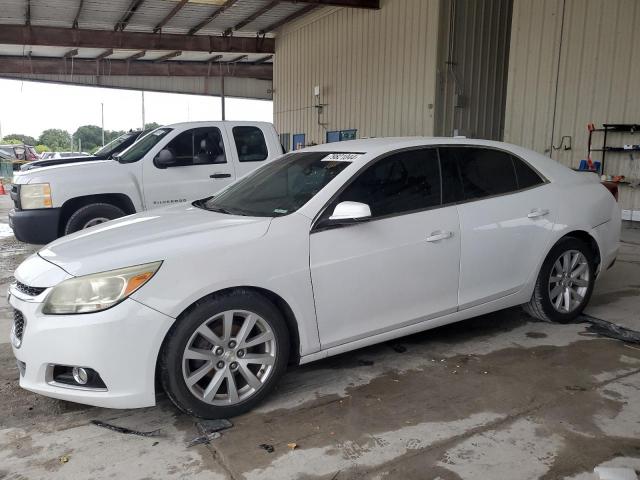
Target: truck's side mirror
166, 158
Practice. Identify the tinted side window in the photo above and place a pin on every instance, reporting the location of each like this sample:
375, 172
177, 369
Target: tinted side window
483, 172
250, 144
527, 176
402, 182
198, 146
451, 183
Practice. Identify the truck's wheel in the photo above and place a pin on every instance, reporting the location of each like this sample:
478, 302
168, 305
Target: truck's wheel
92, 215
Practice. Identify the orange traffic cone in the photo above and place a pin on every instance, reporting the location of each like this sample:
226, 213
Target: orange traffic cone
2, 190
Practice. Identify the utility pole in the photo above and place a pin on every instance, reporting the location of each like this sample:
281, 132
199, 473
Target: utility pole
224, 115
102, 108
143, 120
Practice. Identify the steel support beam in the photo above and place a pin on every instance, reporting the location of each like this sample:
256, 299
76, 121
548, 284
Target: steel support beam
58, 66
81, 38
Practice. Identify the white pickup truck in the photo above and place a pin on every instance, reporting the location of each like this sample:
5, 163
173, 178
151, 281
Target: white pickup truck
174, 164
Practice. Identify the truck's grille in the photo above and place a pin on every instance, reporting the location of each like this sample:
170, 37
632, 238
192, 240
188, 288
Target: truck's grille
27, 290
15, 195
18, 326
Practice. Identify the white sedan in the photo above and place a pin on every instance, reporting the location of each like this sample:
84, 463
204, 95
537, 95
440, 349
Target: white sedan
322, 251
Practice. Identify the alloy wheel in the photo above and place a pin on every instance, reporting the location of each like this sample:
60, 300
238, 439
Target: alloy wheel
229, 357
569, 281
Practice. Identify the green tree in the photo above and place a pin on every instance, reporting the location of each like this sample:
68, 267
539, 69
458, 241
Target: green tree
42, 148
152, 125
26, 139
56, 139
11, 141
88, 137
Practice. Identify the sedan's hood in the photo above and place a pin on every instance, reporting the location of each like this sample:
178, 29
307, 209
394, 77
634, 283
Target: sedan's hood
151, 236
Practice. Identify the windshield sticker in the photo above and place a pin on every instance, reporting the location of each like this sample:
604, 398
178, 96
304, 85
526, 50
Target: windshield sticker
341, 157
280, 211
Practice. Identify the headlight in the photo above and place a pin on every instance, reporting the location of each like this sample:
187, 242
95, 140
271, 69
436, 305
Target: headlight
99, 291
36, 195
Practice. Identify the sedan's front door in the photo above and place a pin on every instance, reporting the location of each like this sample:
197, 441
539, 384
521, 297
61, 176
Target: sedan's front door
400, 267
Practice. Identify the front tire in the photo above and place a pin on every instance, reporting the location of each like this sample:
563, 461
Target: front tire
92, 215
224, 356
565, 282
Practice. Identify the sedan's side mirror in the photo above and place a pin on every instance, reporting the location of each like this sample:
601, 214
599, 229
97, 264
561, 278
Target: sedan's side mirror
165, 158
346, 212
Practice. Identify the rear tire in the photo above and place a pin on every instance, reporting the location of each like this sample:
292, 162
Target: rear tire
92, 215
565, 282
198, 356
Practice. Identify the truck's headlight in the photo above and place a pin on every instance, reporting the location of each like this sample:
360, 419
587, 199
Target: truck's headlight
99, 291
35, 195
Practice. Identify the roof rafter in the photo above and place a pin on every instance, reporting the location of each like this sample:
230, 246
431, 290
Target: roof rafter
213, 16
167, 56
263, 59
370, 4
135, 56
82, 38
253, 17
170, 15
77, 17
124, 20
57, 66
290, 18
105, 54
71, 53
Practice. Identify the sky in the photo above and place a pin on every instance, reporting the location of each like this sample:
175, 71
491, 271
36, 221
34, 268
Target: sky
31, 107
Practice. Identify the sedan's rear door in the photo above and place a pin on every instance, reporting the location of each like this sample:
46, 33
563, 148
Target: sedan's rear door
398, 268
506, 214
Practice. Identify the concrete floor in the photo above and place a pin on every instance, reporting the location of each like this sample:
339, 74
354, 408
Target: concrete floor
495, 397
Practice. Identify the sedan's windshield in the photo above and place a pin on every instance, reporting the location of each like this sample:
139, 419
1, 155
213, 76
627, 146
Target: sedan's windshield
281, 187
114, 144
140, 148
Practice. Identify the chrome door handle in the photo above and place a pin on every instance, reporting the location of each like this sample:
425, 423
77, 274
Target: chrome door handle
220, 175
538, 212
439, 235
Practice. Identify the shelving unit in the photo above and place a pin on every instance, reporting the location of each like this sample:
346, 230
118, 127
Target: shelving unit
608, 128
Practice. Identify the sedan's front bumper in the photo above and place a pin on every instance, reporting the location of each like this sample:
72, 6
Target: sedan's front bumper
121, 344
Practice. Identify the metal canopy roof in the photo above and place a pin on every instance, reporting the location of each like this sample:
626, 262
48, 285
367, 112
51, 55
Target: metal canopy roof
147, 37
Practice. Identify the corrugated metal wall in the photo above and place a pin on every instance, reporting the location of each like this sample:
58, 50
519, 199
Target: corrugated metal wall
234, 87
472, 68
573, 62
376, 71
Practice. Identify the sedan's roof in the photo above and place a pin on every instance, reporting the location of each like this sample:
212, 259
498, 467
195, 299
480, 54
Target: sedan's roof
372, 147
385, 144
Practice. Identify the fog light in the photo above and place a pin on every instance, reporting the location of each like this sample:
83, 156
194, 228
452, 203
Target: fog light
80, 375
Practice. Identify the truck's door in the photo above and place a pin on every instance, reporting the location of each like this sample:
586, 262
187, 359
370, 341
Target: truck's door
202, 166
253, 145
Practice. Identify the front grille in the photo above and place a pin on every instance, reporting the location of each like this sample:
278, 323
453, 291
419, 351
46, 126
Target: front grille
18, 327
27, 290
14, 193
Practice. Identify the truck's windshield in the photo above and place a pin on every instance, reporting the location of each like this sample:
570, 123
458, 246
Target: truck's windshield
113, 144
280, 187
140, 148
